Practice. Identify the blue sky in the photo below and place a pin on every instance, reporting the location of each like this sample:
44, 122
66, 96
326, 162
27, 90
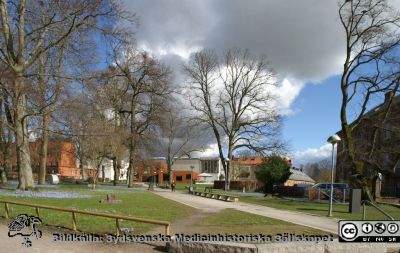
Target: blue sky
303, 40
315, 114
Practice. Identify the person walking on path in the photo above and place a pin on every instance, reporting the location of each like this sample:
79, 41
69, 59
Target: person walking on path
173, 185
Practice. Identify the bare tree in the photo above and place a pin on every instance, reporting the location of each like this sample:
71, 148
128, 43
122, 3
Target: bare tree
28, 29
232, 98
74, 124
369, 69
110, 94
100, 142
146, 87
179, 135
45, 94
6, 133
319, 171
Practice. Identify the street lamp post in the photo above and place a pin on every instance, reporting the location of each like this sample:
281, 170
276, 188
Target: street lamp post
332, 140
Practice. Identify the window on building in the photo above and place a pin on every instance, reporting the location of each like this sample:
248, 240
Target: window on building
178, 178
209, 166
386, 161
387, 134
188, 176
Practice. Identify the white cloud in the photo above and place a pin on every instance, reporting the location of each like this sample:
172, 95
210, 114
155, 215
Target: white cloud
286, 93
311, 155
302, 39
211, 151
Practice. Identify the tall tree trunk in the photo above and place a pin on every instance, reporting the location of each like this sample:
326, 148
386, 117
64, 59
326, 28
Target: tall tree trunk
357, 165
43, 149
132, 155
221, 157
7, 148
132, 144
171, 172
3, 177
7, 152
25, 176
83, 171
103, 173
228, 166
117, 170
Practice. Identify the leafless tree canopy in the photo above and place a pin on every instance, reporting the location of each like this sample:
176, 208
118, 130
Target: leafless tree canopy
371, 68
231, 95
30, 29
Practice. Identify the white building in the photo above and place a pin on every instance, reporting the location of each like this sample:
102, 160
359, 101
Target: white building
107, 170
207, 169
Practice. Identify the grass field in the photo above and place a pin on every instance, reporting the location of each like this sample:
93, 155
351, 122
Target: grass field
339, 210
145, 204
136, 203
199, 187
237, 222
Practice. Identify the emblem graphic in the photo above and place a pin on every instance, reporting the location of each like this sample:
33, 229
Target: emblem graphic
25, 226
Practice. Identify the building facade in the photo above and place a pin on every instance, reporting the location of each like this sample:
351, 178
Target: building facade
185, 170
385, 157
61, 159
107, 171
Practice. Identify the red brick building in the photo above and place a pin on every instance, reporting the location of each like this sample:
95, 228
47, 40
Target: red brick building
61, 159
386, 157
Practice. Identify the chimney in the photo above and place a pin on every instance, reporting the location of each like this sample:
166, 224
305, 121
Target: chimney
388, 95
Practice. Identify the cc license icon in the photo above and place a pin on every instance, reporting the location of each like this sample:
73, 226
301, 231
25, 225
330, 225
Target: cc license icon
392, 228
348, 231
380, 227
367, 228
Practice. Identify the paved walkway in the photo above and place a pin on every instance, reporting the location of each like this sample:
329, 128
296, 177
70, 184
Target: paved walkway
206, 204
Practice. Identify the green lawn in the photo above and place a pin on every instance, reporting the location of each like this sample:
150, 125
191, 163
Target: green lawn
233, 221
339, 210
136, 203
199, 187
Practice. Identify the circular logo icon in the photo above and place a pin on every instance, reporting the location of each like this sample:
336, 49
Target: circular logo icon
380, 227
367, 228
392, 228
348, 231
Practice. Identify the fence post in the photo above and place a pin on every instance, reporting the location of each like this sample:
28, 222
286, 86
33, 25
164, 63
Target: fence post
117, 228
364, 210
7, 210
74, 221
37, 212
344, 195
167, 229
319, 194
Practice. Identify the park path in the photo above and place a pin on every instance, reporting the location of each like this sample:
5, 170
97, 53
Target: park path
212, 205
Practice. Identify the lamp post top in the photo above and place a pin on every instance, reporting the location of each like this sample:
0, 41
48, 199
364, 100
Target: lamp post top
334, 139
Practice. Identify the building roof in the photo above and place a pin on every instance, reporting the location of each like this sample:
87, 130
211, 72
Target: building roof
249, 160
299, 175
377, 109
205, 175
382, 106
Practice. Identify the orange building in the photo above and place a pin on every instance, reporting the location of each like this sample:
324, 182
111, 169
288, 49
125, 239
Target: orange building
61, 159
184, 171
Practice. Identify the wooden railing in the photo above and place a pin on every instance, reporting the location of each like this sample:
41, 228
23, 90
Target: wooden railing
364, 202
117, 218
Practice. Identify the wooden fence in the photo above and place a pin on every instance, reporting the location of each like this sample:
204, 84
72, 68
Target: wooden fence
73, 212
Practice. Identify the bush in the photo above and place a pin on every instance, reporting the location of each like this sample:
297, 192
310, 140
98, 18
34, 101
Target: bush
91, 180
274, 170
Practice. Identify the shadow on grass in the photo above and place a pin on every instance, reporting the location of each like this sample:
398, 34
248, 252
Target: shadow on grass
314, 209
